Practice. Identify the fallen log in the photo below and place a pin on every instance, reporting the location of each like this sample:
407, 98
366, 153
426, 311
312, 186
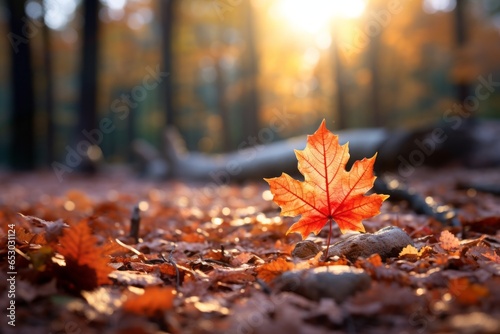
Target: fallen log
399, 151
258, 161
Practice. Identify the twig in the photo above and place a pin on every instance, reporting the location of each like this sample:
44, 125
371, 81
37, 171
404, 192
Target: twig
135, 223
132, 249
264, 286
416, 202
222, 250
224, 264
171, 261
326, 255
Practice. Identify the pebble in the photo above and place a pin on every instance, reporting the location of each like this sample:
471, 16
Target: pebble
306, 249
336, 282
387, 242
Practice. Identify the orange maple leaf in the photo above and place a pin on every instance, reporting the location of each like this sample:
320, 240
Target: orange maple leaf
86, 267
328, 192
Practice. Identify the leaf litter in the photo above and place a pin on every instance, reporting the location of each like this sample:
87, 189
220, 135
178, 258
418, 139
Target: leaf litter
207, 260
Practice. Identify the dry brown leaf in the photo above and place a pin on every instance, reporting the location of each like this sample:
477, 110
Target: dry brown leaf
25, 237
492, 256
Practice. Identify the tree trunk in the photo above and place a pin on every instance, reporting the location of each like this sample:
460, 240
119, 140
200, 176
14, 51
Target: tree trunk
22, 147
49, 91
251, 108
222, 105
87, 112
462, 89
167, 21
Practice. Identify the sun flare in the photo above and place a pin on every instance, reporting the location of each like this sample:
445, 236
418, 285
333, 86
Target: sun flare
314, 16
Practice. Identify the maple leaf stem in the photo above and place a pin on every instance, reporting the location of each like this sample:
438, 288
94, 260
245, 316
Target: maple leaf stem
329, 237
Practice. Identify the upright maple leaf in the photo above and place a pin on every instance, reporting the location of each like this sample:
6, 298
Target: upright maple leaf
328, 192
86, 267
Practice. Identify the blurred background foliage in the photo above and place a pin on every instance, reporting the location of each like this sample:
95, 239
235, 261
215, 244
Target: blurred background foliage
236, 65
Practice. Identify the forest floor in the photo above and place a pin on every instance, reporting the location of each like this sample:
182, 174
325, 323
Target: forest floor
206, 260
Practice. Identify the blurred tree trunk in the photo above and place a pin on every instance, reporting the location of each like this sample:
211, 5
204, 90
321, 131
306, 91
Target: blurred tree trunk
374, 107
22, 147
49, 89
222, 105
87, 113
462, 89
251, 107
167, 21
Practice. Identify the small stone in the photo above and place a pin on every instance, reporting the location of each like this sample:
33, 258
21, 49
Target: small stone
387, 242
336, 282
306, 249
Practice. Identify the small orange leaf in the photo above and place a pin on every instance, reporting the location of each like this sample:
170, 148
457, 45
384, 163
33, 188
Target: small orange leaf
328, 191
86, 268
269, 271
375, 260
448, 241
409, 251
153, 301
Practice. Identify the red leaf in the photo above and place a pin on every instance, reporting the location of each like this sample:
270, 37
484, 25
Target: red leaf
328, 191
86, 268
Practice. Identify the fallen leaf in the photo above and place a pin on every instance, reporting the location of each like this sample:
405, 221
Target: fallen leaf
492, 256
26, 237
412, 253
375, 260
153, 301
448, 241
488, 225
104, 300
328, 192
86, 268
135, 278
213, 306
409, 251
52, 229
267, 272
465, 292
